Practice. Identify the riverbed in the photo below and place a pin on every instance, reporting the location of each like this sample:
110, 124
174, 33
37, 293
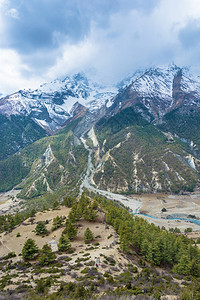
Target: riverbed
156, 208
9, 203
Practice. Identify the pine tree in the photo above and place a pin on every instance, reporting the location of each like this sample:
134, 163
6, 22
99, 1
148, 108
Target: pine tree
70, 230
55, 205
47, 256
17, 218
68, 201
29, 250
64, 243
57, 222
184, 265
40, 228
89, 214
94, 205
88, 236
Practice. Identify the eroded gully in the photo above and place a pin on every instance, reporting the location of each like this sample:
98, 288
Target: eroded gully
133, 204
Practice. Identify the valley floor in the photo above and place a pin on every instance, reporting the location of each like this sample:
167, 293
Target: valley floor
148, 206
9, 202
176, 206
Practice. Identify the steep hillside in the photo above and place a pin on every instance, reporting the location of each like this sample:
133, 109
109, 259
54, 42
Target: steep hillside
45, 166
17, 132
148, 136
137, 157
159, 91
184, 123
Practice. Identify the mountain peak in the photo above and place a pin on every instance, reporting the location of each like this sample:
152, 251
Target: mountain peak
53, 103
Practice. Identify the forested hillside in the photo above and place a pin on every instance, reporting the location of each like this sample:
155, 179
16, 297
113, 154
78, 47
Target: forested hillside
138, 157
138, 259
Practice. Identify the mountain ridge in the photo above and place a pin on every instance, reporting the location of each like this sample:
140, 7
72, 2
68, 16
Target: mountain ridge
156, 111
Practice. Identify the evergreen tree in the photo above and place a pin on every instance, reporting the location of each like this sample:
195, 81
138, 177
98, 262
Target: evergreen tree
57, 222
184, 266
64, 243
89, 214
55, 205
94, 205
68, 201
47, 256
18, 218
32, 212
88, 236
70, 230
72, 216
29, 250
40, 228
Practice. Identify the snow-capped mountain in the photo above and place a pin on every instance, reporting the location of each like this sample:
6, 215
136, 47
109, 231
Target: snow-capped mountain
53, 103
153, 92
145, 138
159, 91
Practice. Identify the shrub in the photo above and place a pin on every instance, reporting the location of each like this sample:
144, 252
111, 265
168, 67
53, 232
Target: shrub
189, 229
9, 255
96, 244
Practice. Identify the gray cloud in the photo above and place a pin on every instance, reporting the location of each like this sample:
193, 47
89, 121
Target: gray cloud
189, 36
39, 20
50, 38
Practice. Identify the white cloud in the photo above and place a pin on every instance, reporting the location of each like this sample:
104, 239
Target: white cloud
73, 58
12, 72
132, 40
129, 39
13, 13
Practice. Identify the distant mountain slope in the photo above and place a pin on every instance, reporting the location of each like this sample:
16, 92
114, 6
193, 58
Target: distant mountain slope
49, 164
184, 122
53, 103
16, 132
29, 115
137, 157
158, 91
148, 134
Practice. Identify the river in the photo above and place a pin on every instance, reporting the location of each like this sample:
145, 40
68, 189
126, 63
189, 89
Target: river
133, 204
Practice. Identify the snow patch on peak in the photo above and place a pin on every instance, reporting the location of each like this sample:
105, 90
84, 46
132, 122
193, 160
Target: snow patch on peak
53, 103
155, 83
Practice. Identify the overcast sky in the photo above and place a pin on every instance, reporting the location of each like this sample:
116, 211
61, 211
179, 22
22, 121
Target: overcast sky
41, 40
